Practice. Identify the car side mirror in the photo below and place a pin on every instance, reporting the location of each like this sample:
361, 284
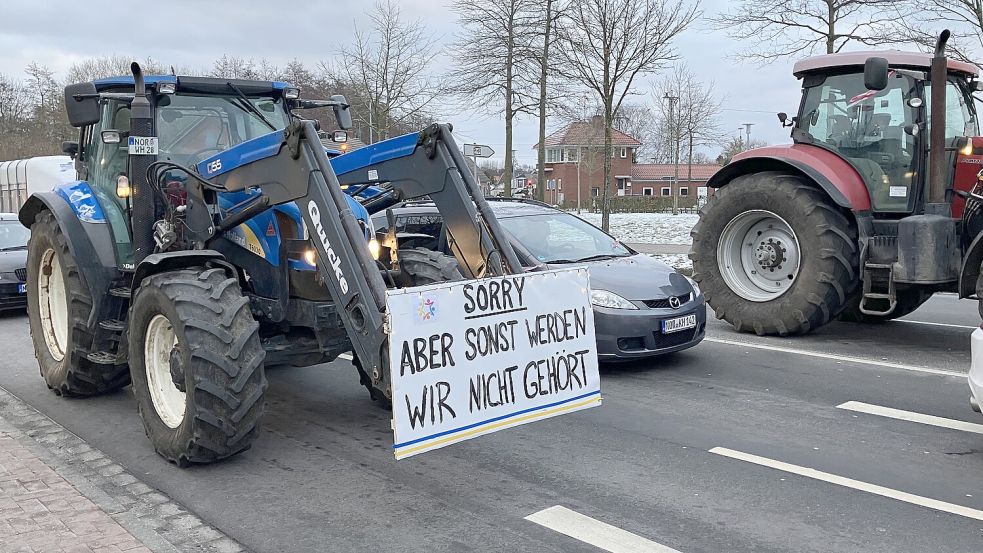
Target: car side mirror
342, 113
82, 104
875, 73
71, 148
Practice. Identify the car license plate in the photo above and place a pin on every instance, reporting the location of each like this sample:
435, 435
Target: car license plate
679, 323
22, 288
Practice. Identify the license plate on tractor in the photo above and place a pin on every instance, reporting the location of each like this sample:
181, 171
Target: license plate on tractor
679, 323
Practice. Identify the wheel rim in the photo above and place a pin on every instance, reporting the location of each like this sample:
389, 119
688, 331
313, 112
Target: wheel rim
169, 401
53, 304
758, 255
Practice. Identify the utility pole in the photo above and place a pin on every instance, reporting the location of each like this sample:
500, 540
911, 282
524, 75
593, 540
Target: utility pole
674, 137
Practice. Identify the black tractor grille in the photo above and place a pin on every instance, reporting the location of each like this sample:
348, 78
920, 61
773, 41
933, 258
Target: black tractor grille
663, 303
21, 274
674, 339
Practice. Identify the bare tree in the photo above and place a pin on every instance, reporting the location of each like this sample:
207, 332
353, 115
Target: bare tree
694, 120
640, 122
923, 20
551, 12
607, 44
736, 145
388, 67
115, 66
494, 69
779, 29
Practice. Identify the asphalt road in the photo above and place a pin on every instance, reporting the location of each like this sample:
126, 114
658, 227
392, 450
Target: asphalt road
322, 476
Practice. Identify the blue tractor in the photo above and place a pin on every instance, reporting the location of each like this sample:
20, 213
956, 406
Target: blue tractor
209, 235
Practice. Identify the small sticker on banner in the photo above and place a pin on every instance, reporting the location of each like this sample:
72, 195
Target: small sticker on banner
898, 192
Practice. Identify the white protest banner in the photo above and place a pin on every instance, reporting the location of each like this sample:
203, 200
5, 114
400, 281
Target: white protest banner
473, 357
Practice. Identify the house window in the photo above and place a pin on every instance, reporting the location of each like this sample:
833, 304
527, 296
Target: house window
552, 155
647, 191
666, 191
624, 152
595, 191
684, 191
559, 184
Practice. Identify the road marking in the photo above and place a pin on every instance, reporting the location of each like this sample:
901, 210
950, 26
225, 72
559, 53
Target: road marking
948, 325
851, 483
834, 357
594, 532
911, 416
346, 356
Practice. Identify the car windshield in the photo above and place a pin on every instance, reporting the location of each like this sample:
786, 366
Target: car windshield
13, 236
562, 238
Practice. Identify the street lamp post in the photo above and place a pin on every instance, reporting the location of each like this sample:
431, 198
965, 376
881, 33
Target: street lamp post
674, 138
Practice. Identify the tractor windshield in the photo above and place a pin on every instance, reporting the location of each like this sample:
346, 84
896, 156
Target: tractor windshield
867, 128
194, 127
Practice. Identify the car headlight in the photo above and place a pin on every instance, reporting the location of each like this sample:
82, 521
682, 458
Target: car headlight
696, 287
603, 298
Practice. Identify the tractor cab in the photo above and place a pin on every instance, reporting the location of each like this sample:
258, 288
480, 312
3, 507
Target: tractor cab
194, 119
881, 128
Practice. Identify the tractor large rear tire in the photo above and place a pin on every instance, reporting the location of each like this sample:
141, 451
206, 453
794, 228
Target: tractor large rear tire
58, 308
197, 365
787, 230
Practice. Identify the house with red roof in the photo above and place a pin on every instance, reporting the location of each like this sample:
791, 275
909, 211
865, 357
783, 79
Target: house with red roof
575, 166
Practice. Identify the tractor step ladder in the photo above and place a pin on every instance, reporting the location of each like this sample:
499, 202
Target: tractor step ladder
880, 291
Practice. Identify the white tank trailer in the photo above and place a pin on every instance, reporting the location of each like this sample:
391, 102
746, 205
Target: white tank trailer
20, 178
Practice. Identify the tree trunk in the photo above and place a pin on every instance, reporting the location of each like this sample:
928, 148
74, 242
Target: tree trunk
831, 29
544, 65
608, 152
509, 59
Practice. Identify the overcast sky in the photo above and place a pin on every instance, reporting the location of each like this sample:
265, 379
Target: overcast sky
194, 33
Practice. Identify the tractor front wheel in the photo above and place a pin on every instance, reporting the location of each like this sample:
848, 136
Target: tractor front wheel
197, 365
773, 255
58, 307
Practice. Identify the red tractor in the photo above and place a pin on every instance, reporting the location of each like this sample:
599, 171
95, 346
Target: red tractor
871, 210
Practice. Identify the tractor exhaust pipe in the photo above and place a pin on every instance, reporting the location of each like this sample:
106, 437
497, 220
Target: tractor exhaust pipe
936, 142
144, 212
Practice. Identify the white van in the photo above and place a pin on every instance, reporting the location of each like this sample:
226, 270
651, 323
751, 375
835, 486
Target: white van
22, 177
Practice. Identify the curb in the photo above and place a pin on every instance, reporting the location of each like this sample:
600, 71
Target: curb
163, 525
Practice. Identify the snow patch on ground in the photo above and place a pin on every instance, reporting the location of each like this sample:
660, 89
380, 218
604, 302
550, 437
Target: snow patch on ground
648, 228
679, 261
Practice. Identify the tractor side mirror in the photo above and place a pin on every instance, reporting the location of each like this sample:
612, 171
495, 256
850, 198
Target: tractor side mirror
341, 112
70, 148
875, 73
783, 118
82, 104
339, 136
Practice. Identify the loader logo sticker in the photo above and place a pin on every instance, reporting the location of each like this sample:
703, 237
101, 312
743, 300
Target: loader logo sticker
333, 260
427, 309
497, 353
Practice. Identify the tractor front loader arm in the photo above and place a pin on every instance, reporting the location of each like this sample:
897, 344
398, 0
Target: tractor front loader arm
291, 166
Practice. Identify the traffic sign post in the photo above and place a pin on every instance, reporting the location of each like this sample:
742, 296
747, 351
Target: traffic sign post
474, 151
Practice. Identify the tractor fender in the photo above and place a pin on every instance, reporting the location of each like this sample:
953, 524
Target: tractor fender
170, 261
90, 244
970, 271
835, 175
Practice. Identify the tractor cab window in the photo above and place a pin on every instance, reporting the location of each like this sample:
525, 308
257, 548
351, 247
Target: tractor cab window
867, 128
960, 117
104, 163
194, 127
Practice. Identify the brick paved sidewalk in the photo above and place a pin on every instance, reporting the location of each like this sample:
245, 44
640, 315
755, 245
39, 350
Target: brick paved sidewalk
58, 494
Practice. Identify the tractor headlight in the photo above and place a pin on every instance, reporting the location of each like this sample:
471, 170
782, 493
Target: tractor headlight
374, 248
603, 298
310, 256
123, 186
